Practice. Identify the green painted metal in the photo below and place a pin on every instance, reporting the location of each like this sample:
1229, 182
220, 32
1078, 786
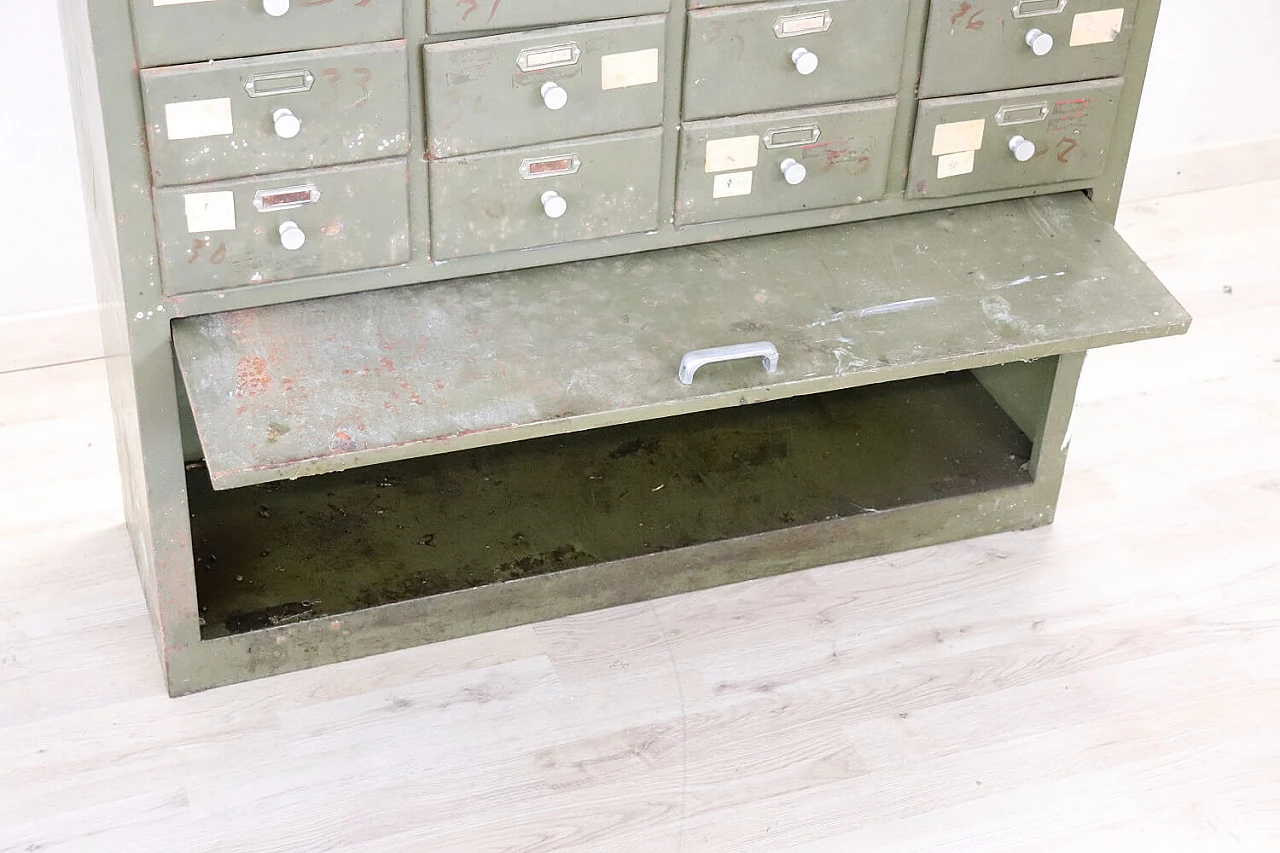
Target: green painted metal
609, 72
352, 217
169, 32
452, 16
981, 47
844, 150
486, 203
352, 105
740, 58
1070, 126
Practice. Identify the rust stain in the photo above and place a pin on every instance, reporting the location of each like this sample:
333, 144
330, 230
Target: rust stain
252, 376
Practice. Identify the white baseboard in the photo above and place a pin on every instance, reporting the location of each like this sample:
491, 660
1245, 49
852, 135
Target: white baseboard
1204, 169
43, 338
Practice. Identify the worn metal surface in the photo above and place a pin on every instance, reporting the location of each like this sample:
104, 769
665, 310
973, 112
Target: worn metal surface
352, 104
170, 33
1070, 126
331, 384
976, 47
737, 62
844, 149
610, 72
460, 16
358, 220
485, 203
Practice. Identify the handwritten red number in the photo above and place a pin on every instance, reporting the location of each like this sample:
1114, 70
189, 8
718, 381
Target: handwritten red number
974, 21
1065, 147
363, 76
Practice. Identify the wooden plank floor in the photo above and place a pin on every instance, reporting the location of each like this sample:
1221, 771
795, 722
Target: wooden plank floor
1108, 683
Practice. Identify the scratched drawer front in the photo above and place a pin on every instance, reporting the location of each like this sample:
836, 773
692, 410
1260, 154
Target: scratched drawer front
963, 144
744, 59
487, 94
977, 47
219, 120
228, 234
461, 16
755, 165
173, 31
494, 202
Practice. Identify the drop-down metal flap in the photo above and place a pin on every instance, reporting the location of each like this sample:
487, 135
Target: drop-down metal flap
304, 388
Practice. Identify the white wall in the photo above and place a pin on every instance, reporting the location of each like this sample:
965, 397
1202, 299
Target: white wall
1212, 85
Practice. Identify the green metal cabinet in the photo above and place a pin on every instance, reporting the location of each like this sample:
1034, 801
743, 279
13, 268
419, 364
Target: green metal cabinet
427, 318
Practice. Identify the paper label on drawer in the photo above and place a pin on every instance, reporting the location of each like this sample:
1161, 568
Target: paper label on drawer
177, 2
958, 136
196, 119
959, 163
726, 155
210, 212
732, 184
1097, 27
637, 68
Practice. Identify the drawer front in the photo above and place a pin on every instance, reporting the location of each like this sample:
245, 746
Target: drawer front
967, 144
1026, 43
511, 90
275, 114
235, 233
752, 59
462, 16
507, 200
173, 31
802, 160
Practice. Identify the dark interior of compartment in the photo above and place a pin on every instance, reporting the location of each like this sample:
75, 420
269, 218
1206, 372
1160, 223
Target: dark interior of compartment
282, 552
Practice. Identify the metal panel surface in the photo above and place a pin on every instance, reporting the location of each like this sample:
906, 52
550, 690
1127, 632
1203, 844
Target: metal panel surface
509, 90
325, 385
233, 233
966, 144
799, 160
282, 113
462, 16
172, 31
978, 47
500, 201
744, 59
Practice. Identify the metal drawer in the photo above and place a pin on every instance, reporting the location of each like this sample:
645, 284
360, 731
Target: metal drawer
1027, 43
966, 144
273, 114
502, 91
762, 164
754, 58
461, 16
506, 200
235, 233
173, 31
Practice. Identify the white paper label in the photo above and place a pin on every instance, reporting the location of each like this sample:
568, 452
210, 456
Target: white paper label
958, 163
726, 155
637, 68
195, 119
958, 136
210, 212
732, 184
177, 2
1097, 27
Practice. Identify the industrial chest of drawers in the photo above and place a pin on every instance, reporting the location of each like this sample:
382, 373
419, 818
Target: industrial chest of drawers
430, 317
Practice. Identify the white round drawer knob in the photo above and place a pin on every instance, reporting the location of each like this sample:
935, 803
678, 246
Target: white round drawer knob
805, 60
291, 236
554, 95
794, 172
275, 8
1040, 42
554, 204
287, 124
1024, 149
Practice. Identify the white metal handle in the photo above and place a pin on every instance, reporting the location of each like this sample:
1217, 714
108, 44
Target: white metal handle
1040, 42
805, 60
275, 8
794, 173
286, 123
553, 204
554, 95
1023, 149
292, 237
762, 350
